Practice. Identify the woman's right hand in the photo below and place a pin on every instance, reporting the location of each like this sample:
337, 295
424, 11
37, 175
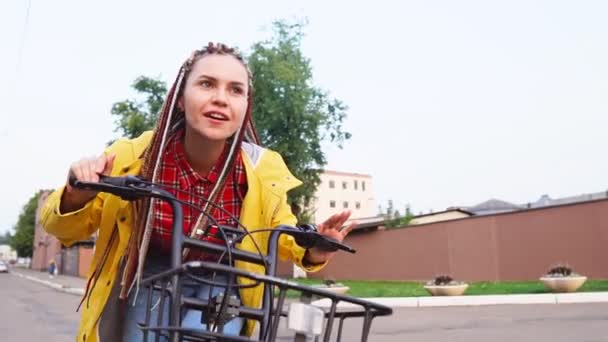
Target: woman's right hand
85, 170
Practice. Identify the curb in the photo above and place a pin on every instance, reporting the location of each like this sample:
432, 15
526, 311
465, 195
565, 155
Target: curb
419, 302
478, 300
56, 286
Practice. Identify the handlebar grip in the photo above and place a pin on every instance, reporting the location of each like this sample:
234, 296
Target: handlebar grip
73, 182
103, 179
306, 235
330, 244
128, 187
124, 181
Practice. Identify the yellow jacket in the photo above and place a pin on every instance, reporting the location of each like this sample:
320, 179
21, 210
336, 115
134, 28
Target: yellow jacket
264, 206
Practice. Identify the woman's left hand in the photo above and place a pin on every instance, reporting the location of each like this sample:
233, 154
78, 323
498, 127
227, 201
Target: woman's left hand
334, 228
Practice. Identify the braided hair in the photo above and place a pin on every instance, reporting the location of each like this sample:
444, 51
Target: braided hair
170, 120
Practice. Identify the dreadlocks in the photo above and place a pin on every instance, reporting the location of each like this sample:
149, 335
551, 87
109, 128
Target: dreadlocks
169, 121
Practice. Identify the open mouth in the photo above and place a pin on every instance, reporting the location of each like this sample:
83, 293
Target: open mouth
216, 116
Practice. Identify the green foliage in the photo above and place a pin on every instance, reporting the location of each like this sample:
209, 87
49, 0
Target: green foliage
23, 240
292, 116
561, 271
6, 238
393, 218
399, 221
135, 116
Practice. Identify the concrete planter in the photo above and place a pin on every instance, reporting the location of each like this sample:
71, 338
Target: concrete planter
563, 284
446, 290
337, 289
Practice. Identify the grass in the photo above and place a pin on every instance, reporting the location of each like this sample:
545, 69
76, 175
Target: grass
368, 289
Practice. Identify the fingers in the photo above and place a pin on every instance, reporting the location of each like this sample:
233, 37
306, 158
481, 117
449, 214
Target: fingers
343, 218
348, 229
336, 218
88, 169
327, 222
81, 170
100, 163
85, 170
335, 222
109, 164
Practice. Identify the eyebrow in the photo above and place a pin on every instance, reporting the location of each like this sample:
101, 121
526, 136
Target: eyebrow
215, 79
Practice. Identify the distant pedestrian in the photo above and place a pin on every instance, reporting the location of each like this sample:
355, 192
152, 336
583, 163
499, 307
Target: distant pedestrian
52, 268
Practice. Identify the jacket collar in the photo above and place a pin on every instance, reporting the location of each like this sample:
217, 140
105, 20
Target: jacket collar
265, 165
268, 167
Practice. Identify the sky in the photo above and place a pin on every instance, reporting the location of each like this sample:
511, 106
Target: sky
450, 103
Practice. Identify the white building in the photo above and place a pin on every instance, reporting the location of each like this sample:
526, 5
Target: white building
7, 253
342, 190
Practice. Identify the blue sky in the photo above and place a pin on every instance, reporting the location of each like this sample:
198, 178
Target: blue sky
451, 103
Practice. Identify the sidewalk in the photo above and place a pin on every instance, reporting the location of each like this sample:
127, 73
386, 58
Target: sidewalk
63, 283
75, 285
476, 300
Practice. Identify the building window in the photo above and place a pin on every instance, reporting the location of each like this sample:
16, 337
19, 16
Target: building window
344, 185
332, 204
358, 205
332, 184
356, 184
363, 185
345, 205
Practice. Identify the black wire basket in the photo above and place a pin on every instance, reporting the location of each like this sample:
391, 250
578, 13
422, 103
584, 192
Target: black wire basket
268, 318
167, 285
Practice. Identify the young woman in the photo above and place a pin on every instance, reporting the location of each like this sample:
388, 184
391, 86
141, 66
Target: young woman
204, 145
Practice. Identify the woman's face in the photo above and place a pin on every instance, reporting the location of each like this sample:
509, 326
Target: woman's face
215, 96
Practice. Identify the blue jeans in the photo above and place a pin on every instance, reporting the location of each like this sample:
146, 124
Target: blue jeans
190, 319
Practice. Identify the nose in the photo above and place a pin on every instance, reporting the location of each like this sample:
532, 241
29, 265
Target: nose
219, 97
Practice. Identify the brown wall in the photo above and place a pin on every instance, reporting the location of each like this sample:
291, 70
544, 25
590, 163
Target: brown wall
73, 261
84, 260
511, 246
284, 269
46, 247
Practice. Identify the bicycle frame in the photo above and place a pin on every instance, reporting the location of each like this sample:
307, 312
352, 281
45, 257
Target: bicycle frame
170, 281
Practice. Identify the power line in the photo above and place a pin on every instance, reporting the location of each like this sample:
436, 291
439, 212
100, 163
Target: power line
23, 36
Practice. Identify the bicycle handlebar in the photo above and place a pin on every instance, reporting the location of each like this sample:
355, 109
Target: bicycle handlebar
132, 188
128, 188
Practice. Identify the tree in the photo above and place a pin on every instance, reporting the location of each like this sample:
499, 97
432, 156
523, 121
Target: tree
135, 116
390, 210
291, 115
23, 240
6, 238
393, 217
408, 210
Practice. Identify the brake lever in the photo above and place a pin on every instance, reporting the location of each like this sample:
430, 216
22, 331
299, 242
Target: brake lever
307, 236
129, 188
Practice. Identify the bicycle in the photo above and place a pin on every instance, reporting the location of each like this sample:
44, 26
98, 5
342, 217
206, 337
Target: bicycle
303, 318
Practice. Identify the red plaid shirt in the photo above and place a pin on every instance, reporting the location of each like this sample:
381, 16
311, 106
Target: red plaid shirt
176, 173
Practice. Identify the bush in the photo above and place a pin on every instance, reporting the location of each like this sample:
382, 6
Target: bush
444, 280
561, 271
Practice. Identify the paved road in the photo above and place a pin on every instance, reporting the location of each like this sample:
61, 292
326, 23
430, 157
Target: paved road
33, 312
496, 323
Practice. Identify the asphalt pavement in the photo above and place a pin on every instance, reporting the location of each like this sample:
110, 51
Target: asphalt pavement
37, 307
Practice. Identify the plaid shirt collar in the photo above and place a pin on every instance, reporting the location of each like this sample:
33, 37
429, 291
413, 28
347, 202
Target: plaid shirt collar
176, 173
190, 178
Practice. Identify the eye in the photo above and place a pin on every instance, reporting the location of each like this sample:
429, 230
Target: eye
205, 84
238, 90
